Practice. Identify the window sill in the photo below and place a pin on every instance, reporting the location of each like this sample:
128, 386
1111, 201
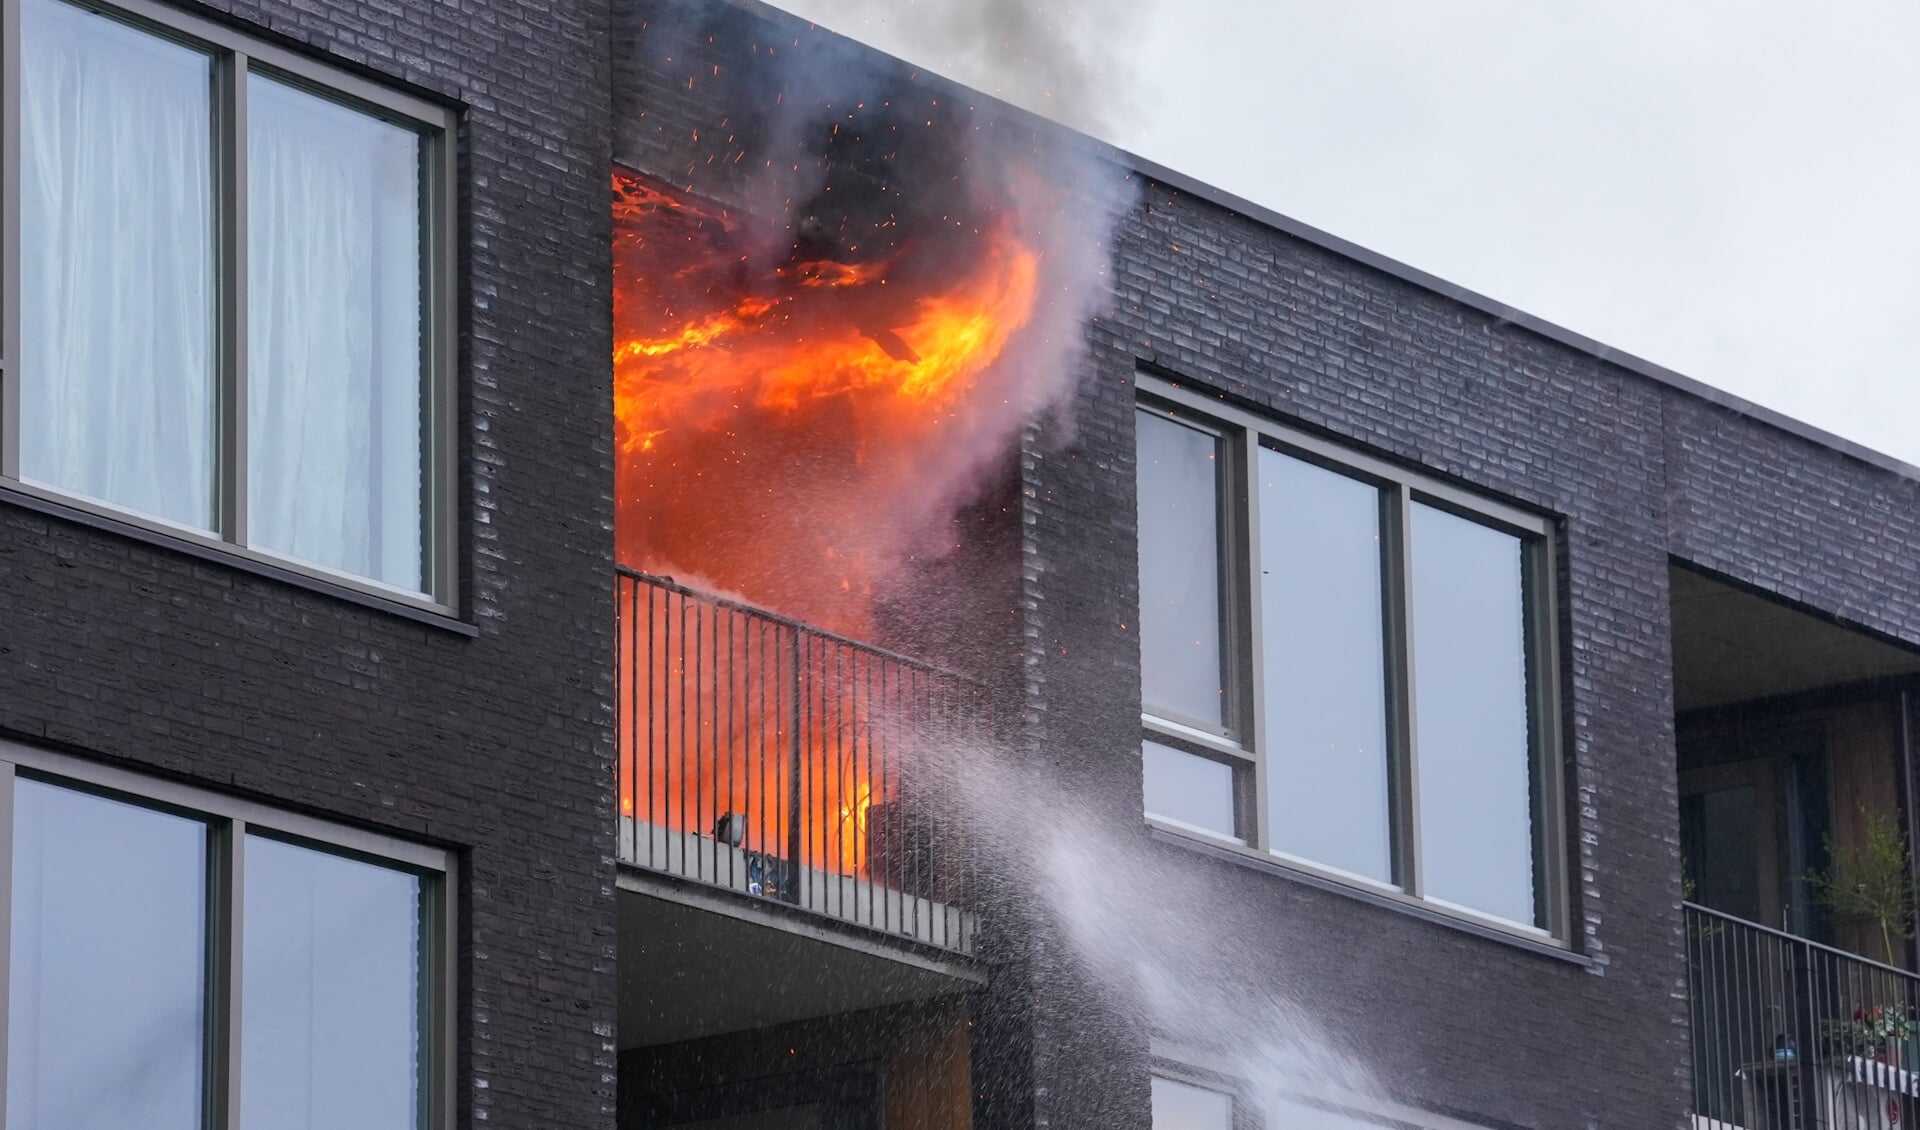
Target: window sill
127, 525
1229, 852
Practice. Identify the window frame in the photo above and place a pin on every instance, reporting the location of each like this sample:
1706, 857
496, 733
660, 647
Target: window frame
1243, 434
234, 55
1224, 1072
1242, 1114
229, 821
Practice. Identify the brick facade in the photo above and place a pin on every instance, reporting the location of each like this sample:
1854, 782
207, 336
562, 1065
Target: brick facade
1636, 467
494, 741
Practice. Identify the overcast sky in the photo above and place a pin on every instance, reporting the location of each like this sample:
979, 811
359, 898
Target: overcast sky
1731, 190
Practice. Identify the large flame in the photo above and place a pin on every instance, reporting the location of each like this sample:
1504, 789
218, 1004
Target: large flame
775, 404
777, 397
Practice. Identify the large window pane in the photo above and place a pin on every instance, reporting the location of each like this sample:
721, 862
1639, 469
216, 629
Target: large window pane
116, 290
1470, 673
1180, 609
107, 987
334, 406
331, 995
1188, 789
1183, 1106
1324, 667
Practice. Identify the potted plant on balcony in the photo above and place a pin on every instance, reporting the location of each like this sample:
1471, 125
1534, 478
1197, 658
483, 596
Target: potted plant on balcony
1875, 1032
1871, 881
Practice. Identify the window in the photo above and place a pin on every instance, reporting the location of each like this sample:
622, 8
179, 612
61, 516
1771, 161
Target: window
1179, 1105
1181, 608
227, 284
1346, 665
220, 964
1226, 1097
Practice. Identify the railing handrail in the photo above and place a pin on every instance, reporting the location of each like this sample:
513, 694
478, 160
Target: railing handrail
1796, 939
800, 626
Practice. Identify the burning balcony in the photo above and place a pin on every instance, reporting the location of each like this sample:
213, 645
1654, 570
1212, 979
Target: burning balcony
787, 763
805, 405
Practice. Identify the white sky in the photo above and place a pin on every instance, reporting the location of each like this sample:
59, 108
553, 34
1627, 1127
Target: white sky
1731, 190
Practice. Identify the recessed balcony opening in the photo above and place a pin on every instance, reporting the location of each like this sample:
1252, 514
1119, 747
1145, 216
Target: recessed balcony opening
1795, 770
817, 399
730, 1022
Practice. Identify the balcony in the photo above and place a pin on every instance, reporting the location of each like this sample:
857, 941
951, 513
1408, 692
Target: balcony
1795, 757
791, 766
1789, 1034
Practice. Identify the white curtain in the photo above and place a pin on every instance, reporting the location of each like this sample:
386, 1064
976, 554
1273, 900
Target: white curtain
116, 393
334, 392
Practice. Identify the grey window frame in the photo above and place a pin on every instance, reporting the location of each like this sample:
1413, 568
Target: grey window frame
1241, 1113
1244, 746
229, 822
234, 55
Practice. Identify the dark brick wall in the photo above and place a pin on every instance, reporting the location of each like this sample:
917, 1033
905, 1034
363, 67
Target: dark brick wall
1449, 1020
1453, 1021
1635, 470
497, 744
1794, 518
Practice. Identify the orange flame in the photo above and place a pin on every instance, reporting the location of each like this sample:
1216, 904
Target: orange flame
773, 404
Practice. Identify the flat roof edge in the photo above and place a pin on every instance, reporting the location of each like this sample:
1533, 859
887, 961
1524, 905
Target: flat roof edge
1326, 241
1533, 323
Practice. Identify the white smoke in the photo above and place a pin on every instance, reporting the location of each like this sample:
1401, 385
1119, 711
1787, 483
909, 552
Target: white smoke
1064, 60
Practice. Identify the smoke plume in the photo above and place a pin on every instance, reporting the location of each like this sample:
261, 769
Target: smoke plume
1063, 60
843, 220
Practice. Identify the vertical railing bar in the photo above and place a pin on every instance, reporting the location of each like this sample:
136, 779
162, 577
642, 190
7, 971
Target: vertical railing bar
1768, 971
1728, 1000
847, 759
851, 828
941, 879
695, 826
656, 717
896, 899
1696, 1021
888, 877
846, 731
1743, 990
915, 884
680, 816
819, 649
1747, 969
875, 799
732, 749
760, 764
794, 770
627, 592
651, 707
1807, 1051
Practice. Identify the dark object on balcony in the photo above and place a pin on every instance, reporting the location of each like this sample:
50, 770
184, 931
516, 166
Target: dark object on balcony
769, 877
730, 829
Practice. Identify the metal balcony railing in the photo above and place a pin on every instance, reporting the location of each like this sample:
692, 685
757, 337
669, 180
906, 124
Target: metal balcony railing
1792, 1035
769, 757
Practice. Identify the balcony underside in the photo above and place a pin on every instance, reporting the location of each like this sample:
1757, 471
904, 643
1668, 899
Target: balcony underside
697, 961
